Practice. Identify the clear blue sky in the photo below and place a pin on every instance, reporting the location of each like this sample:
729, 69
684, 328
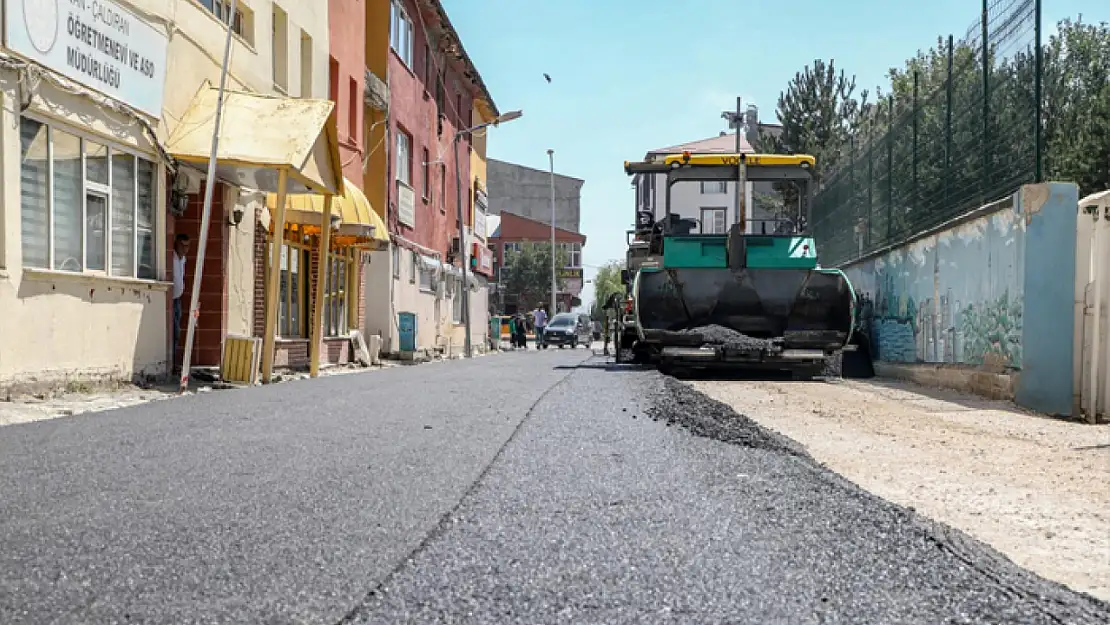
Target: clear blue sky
632, 75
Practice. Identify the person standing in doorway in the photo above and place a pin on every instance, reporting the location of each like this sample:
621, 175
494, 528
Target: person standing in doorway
539, 320
180, 251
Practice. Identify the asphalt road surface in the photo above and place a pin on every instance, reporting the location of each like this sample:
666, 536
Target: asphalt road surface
520, 488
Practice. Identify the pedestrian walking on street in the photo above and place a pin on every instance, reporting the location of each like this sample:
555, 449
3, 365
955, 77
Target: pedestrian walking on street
519, 331
180, 251
539, 320
608, 320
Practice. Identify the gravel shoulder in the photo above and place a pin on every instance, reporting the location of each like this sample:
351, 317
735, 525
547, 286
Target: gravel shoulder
1035, 489
625, 497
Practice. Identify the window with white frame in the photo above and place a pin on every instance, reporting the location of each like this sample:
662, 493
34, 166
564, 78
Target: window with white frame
508, 250
85, 206
395, 252
573, 253
400, 32
427, 278
713, 220
404, 157
714, 187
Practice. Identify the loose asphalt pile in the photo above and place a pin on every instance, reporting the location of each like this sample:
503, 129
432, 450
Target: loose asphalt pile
603, 508
728, 338
731, 339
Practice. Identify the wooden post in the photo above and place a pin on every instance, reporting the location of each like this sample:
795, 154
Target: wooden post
272, 282
321, 277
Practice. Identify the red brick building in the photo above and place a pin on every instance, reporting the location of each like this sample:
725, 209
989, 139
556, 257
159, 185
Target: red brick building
513, 233
434, 90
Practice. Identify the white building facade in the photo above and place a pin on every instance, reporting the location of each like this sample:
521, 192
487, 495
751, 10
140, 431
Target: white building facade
90, 93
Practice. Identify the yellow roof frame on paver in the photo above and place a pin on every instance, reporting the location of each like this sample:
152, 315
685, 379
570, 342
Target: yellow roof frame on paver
732, 160
686, 159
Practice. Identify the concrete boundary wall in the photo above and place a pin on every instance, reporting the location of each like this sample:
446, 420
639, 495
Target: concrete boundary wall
983, 303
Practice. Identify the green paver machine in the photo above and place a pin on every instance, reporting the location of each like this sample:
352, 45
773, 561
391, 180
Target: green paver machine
735, 299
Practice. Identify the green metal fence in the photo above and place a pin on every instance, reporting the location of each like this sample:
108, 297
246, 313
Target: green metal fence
960, 129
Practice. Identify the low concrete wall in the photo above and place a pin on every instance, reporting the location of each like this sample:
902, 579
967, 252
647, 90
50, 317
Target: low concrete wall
988, 296
957, 377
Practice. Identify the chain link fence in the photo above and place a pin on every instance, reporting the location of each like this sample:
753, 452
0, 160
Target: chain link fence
959, 130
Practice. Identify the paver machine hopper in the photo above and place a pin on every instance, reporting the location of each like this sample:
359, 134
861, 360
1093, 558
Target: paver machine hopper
736, 299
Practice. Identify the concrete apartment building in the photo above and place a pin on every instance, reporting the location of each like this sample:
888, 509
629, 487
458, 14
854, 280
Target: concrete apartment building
434, 92
94, 195
526, 192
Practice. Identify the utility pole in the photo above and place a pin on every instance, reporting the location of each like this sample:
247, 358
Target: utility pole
738, 218
206, 213
736, 122
551, 160
462, 249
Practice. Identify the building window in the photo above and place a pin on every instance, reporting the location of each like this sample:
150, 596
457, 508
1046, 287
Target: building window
333, 79
456, 300
221, 9
400, 33
443, 187
101, 218
404, 157
338, 292
574, 254
428, 75
280, 49
413, 267
427, 278
508, 250
293, 290
713, 220
306, 65
353, 100
714, 187
396, 257
427, 176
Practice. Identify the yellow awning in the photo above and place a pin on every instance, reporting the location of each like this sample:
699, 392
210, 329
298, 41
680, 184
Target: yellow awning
260, 135
358, 223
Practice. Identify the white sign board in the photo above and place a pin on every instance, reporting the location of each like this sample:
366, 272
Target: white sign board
97, 43
480, 224
406, 205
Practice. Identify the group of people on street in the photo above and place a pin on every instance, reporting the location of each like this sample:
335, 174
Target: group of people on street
521, 323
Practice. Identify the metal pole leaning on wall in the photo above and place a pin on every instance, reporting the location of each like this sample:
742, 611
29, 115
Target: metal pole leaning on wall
890, 169
948, 130
1038, 95
206, 212
986, 52
916, 190
870, 183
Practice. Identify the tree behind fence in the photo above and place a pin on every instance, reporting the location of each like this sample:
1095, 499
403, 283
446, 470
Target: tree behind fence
960, 129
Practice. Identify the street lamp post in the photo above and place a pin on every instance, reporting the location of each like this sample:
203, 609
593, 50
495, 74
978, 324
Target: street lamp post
551, 160
511, 115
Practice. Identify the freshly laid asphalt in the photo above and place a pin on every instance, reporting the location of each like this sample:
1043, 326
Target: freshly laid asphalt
517, 488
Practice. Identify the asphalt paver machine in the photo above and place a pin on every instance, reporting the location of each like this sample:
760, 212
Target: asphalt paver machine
735, 300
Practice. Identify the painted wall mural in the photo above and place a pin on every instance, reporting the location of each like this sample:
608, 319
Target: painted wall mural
953, 297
